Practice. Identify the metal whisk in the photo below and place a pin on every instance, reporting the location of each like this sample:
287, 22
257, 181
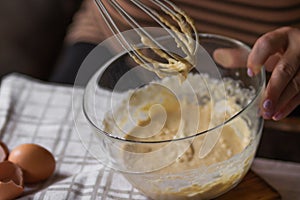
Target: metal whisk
177, 24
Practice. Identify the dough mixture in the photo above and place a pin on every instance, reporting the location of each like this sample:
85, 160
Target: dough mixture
164, 111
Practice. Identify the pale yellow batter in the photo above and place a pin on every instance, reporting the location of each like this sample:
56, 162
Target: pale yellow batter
159, 116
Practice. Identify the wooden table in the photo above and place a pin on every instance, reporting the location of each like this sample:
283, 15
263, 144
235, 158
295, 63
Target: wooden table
252, 187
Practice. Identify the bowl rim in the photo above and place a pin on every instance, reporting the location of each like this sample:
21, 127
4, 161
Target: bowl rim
203, 35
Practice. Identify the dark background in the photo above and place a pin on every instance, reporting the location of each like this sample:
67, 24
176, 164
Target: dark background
32, 34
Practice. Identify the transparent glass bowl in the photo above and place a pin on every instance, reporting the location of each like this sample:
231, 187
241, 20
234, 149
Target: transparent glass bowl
104, 94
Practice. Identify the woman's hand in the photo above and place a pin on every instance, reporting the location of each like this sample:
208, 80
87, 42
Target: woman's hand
279, 52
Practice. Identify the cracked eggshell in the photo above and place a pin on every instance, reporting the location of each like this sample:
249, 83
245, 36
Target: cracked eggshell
3, 151
11, 181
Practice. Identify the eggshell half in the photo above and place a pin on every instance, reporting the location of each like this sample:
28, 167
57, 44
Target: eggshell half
3, 151
11, 181
36, 162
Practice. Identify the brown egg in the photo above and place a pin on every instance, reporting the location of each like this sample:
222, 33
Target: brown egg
3, 151
11, 181
36, 162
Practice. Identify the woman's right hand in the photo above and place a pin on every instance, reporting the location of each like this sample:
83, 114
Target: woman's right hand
279, 52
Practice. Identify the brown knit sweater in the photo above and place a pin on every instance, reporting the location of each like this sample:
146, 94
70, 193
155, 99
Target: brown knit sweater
244, 20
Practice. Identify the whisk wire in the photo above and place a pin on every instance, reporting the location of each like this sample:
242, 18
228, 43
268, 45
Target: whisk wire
177, 16
140, 30
154, 15
117, 33
182, 34
110, 22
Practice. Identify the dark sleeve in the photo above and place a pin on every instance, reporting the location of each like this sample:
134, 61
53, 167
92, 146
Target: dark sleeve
70, 62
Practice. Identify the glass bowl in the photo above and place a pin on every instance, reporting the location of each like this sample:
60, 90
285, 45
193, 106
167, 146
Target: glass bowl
197, 163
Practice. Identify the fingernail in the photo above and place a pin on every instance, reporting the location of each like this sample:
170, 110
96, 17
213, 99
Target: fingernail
250, 72
267, 104
277, 116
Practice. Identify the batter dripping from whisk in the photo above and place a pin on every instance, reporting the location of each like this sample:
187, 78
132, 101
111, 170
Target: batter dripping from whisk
180, 27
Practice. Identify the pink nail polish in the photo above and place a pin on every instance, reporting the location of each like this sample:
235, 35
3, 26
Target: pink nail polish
267, 104
250, 72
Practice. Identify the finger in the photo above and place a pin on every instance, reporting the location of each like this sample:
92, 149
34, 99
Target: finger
267, 45
231, 57
292, 90
283, 73
272, 62
287, 109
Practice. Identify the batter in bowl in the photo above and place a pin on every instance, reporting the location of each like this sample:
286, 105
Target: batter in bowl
163, 111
